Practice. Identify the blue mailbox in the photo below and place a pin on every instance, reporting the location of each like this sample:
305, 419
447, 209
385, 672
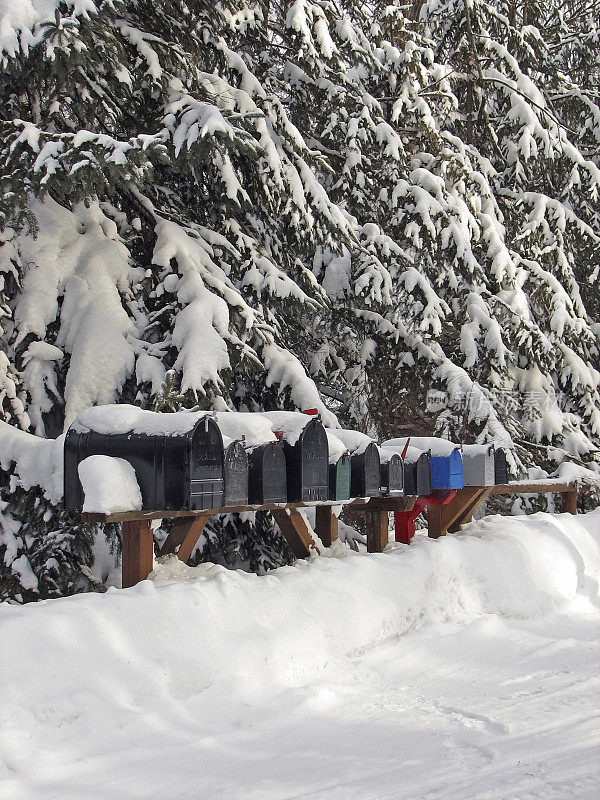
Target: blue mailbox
447, 470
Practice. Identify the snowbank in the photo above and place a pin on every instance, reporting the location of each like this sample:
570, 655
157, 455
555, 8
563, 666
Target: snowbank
203, 658
296, 618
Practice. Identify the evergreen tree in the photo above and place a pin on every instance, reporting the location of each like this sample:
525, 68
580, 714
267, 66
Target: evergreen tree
306, 204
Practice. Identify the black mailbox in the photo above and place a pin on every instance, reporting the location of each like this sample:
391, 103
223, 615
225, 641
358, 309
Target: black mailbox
181, 470
267, 474
392, 474
417, 473
308, 464
235, 474
365, 472
500, 465
339, 478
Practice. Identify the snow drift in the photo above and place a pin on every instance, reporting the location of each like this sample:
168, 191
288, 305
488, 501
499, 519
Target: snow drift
137, 670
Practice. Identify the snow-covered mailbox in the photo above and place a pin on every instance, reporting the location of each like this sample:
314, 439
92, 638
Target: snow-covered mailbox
445, 460
339, 468
267, 478
392, 473
177, 458
365, 468
306, 454
416, 467
500, 465
479, 467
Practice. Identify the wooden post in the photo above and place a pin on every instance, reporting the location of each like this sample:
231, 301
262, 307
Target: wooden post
377, 524
435, 527
183, 537
294, 528
137, 552
326, 525
571, 501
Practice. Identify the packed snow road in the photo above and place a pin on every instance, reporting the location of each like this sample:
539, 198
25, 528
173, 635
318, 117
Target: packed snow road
460, 668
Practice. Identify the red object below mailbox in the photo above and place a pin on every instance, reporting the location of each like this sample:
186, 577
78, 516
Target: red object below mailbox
404, 521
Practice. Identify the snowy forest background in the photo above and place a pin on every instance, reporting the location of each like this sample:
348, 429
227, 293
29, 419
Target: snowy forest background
389, 212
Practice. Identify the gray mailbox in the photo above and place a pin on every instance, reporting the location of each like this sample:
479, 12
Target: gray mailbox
479, 465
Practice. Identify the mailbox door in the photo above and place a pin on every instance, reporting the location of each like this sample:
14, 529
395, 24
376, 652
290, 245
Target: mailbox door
206, 466
314, 461
73, 491
501, 467
392, 477
456, 470
410, 477
365, 473
273, 478
372, 471
339, 479
423, 475
235, 474
490, 467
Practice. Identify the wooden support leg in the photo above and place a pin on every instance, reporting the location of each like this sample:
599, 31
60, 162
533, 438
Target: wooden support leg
460, 510
183, 537
326, 525
571, 502
294, 528
377, 524
137, 552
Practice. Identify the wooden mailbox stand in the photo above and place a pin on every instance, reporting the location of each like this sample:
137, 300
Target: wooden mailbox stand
445, 513
138, 546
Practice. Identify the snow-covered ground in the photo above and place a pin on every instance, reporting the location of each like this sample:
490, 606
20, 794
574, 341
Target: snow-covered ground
460, 668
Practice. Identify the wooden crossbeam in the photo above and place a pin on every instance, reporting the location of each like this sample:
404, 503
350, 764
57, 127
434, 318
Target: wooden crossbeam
524, 487
403, 503
296, 531
124, 516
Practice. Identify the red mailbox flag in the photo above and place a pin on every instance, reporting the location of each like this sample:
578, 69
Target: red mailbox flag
310, 411
405, 448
